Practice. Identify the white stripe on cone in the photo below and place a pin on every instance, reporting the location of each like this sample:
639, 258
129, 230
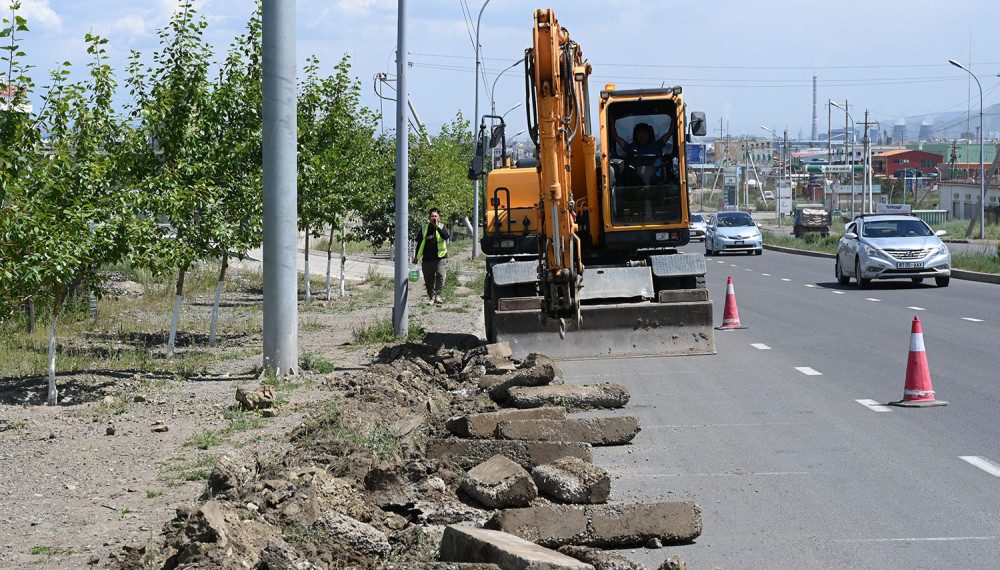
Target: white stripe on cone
730, 290
917, 342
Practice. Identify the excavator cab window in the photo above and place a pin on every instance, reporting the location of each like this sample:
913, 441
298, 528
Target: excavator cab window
646, 185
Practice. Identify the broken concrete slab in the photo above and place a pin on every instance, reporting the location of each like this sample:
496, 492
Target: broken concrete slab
538, 375
466, 453
484, 425
570, 396
600, 559
360, 535
467, 544
602, 525
570, 480
595, 431
499, 483
496, 350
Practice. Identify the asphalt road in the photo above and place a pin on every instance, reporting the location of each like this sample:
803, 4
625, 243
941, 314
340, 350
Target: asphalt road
791, 471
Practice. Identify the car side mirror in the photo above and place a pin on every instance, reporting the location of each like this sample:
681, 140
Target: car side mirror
851, 235
940, 233
699, 127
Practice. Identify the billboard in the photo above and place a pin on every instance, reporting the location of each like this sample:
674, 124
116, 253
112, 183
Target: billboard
696, 153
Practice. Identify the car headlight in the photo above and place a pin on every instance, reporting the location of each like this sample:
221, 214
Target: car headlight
873, 252
941, 249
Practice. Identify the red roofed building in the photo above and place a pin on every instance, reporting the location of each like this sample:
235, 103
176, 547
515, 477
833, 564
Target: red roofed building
891, 161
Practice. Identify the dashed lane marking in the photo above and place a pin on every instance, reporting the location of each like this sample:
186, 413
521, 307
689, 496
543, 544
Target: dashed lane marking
679, 426
732, 265
982, 463
873, 299
783, 279
916, 308
919, 539
839, 293
748, 270
722, 262
808, 371
760, 346
972, 320
810, 285
766, 274
874, 406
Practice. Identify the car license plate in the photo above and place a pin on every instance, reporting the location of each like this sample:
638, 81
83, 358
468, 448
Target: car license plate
910, 265
737, 243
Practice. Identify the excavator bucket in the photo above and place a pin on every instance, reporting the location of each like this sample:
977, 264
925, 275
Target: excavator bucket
611, 331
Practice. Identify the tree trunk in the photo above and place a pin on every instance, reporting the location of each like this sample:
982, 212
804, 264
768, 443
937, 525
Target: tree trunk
343, 262
329, 262
178, 294
308, 292
29, 313
53, 398
219, 286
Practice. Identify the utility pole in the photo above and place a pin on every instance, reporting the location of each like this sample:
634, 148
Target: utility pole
400, 312
281, 275
829, 135
475, 122
866, 148
786, 173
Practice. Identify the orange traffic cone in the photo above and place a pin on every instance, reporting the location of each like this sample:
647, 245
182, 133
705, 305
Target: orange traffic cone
918, 391
730, 315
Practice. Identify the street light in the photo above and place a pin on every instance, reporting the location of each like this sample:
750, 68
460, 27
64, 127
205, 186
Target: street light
850, 119
493, 108
493, 151
982, 166
475, 121
777, 188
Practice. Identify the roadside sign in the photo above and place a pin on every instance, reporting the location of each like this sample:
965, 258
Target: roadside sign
785, 205
892, 209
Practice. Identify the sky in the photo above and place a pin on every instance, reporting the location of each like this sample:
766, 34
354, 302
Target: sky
748, 62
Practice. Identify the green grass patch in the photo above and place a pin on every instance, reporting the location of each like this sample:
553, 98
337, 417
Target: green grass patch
956, 229
812, 242
382, 332
240, 420
51, 550
450, 284
315, 363
375, 435
984, 262
375, 279
183, 471
153, 494
351, 247
204, 440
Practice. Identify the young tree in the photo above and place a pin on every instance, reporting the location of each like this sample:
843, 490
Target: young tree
171, 149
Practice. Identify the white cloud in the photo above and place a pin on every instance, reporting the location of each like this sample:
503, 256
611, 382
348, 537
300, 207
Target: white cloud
130, 25
39, 11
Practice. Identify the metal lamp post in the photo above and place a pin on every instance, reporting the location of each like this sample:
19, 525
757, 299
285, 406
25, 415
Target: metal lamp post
777, 188
475, 121
850, 120
982, 165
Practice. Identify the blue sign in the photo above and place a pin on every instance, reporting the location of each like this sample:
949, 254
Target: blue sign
696, 153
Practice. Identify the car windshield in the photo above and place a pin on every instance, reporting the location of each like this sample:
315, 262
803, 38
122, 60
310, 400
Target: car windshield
896, 228
695, 218
734, 220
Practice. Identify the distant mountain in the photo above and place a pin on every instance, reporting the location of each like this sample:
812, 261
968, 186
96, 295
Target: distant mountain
952, 125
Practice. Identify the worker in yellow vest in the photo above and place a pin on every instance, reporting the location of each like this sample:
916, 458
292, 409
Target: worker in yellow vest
432, 253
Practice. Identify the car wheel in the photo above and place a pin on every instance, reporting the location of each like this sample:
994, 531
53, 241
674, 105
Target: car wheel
942, 281
708, 250
862, 283
841, 278
759, 251
917, 279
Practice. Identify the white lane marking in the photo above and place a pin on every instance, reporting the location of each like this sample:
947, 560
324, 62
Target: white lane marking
873, 299
722, 262
766, 274
809, 285
677, 426
732, 265
732, 474
919, 539
783, 279
982, 463
760, 346
808, 371
972, 320
916, 308
748, 270
839, 293
874, 406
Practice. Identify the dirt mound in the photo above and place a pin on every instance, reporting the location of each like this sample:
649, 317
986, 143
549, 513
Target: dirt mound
355, 490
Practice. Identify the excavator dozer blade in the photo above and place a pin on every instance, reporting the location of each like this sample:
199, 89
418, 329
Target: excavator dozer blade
612, 331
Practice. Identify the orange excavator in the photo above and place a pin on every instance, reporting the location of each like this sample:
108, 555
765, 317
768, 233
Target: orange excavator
581, 241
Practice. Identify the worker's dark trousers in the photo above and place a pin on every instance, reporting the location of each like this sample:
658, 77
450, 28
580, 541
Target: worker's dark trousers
434, 274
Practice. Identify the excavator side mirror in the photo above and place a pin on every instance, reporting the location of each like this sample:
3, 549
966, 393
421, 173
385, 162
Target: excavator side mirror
698, 125
496, 136
478, 166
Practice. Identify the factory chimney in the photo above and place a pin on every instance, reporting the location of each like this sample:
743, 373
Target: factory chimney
815, 129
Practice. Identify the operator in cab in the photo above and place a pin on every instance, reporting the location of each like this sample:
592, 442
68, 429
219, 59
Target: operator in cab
644, 143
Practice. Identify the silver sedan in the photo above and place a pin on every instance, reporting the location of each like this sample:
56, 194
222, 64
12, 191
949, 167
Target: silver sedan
733, 231
892, 247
